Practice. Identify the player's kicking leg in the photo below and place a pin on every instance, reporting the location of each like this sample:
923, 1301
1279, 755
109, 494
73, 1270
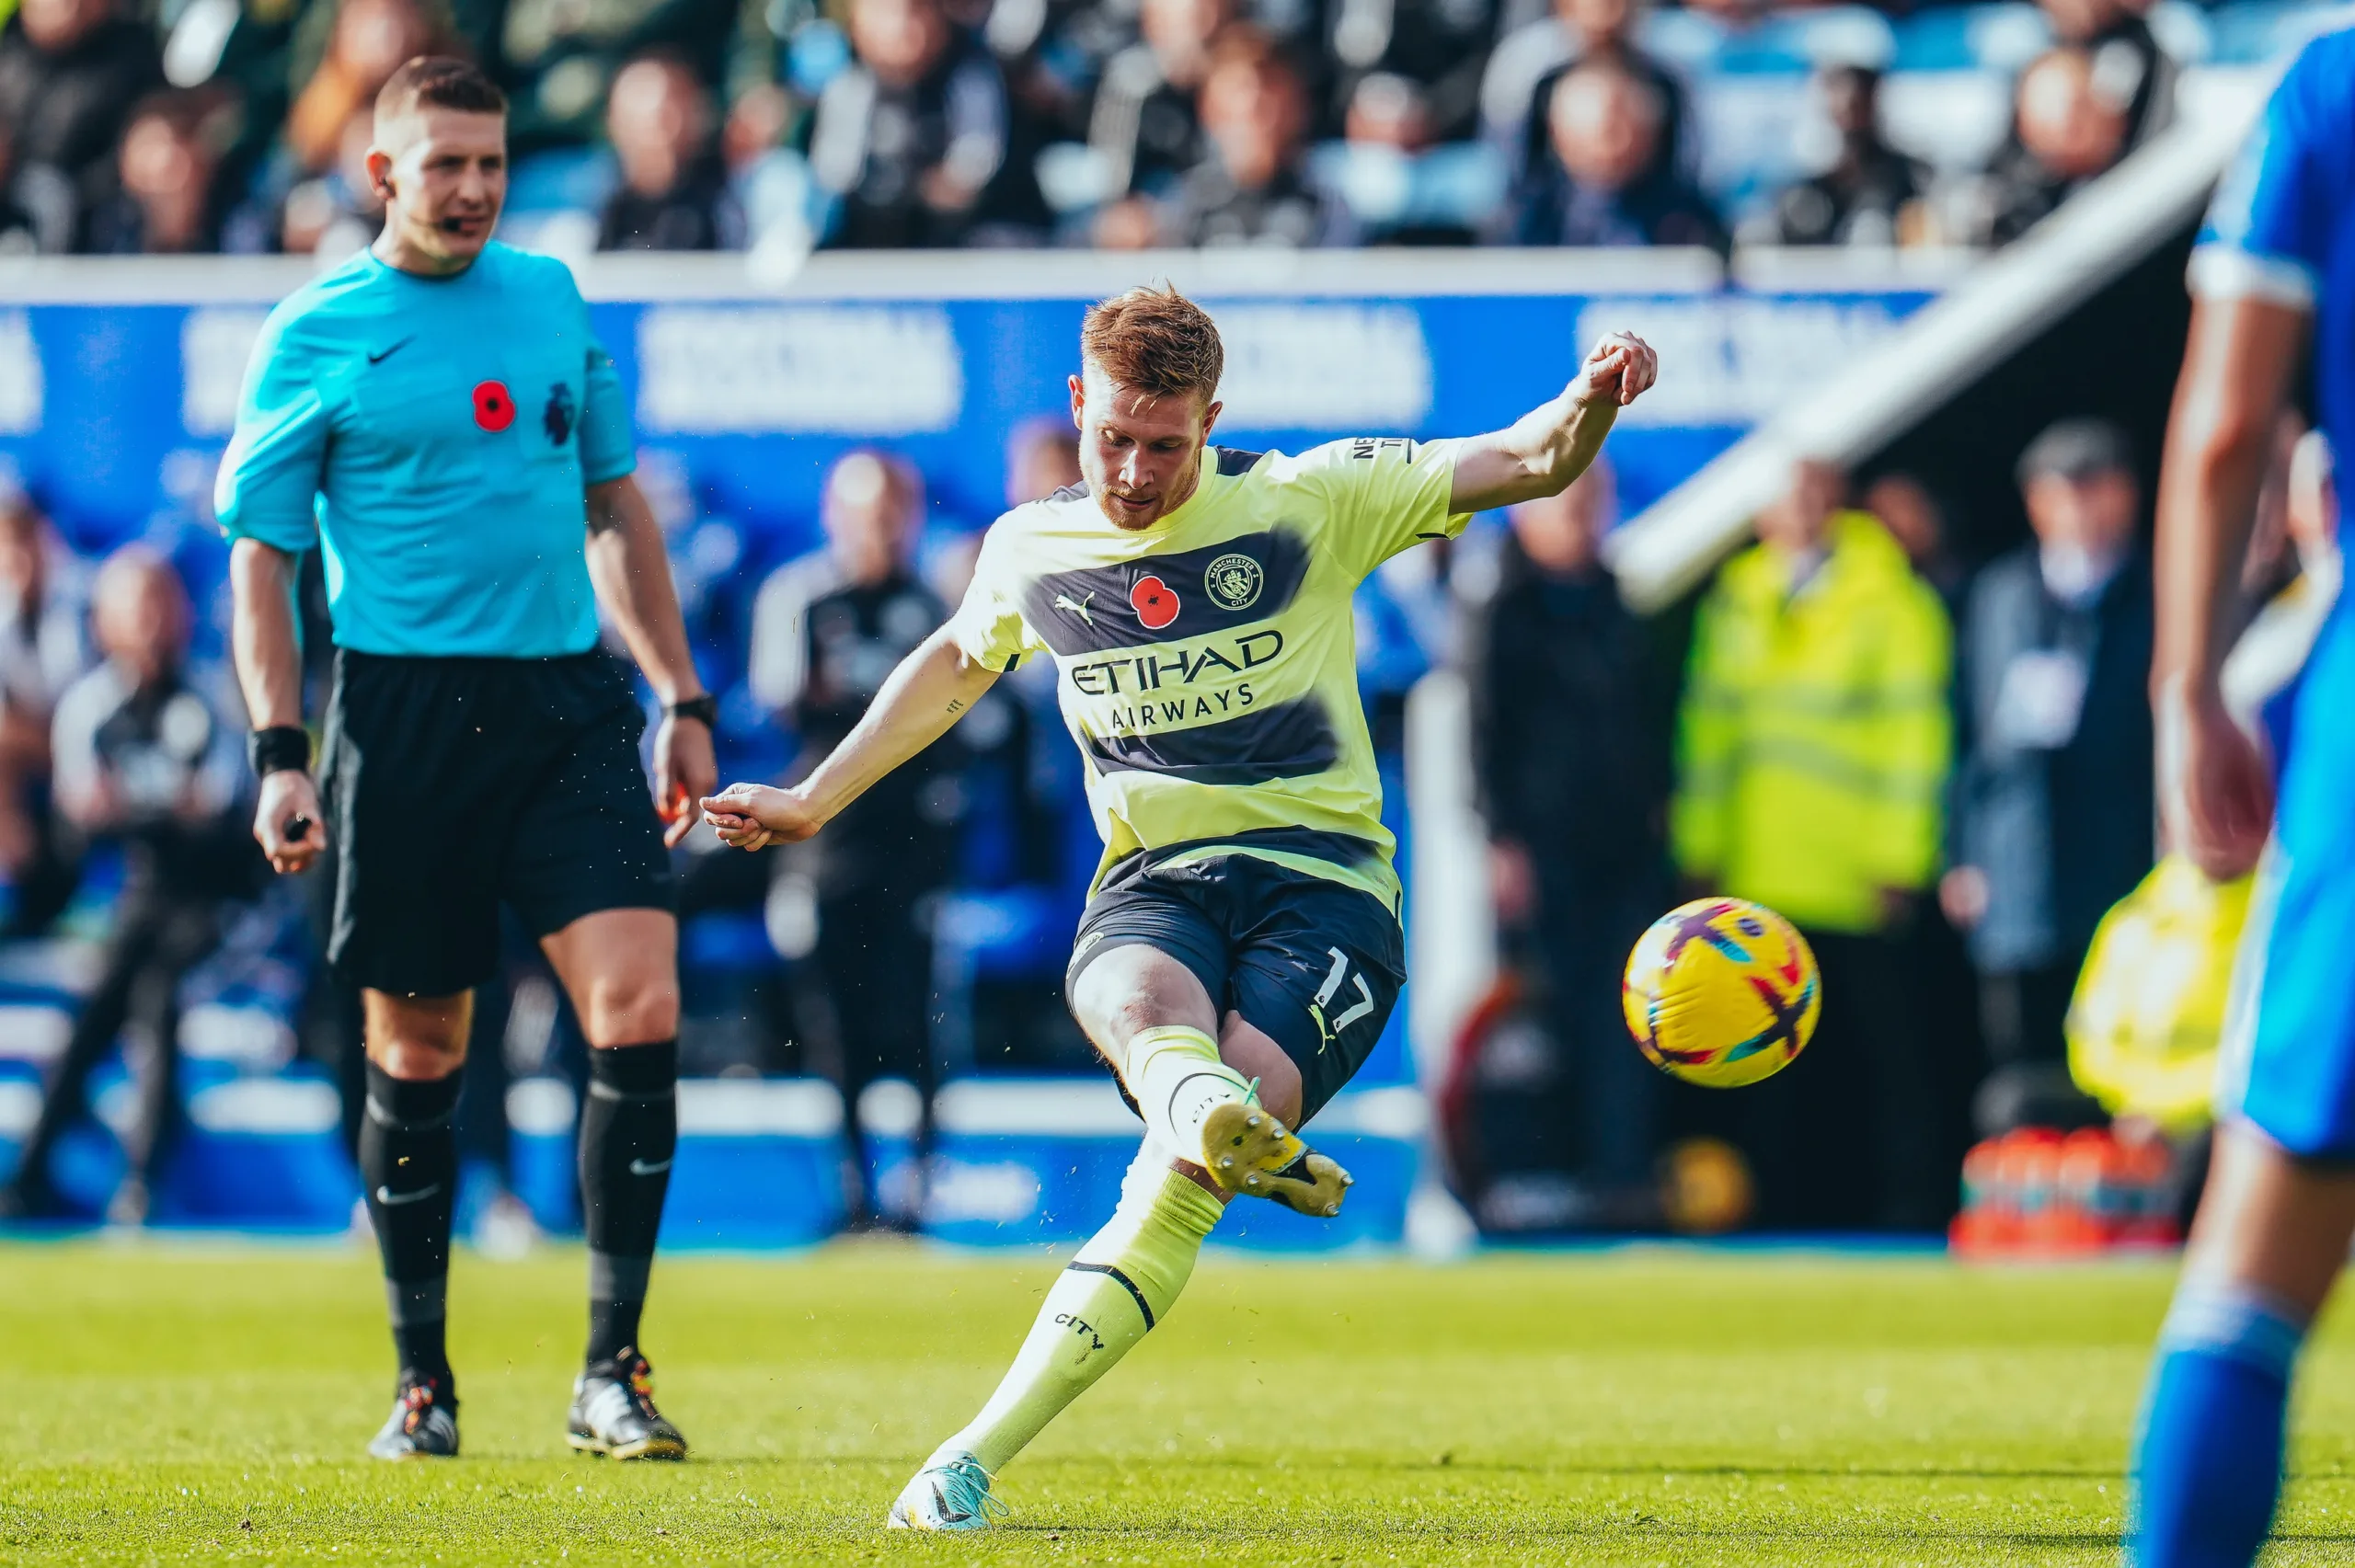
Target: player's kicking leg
1218, 1114
619, 967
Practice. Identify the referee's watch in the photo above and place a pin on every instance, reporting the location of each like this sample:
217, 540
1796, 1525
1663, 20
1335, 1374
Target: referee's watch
705, 710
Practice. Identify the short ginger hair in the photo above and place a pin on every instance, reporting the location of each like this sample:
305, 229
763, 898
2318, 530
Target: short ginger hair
1155, 341
439, 81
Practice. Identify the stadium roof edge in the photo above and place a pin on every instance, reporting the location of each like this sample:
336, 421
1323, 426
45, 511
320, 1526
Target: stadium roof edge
2001, 305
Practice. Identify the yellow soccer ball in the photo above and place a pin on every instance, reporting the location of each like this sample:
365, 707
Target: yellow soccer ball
1722, 993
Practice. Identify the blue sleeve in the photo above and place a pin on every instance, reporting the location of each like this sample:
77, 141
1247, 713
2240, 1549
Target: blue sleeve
269, 484
608, 445
2280, 205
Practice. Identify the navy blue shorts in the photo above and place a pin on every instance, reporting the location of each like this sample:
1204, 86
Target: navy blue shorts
454, 784
1313, 964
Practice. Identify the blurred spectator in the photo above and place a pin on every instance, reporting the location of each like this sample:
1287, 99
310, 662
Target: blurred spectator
70, 70
1143, 124
367, 40
2053, 813
20, 230
162, 204
559, 58
1249, 187
1812, 754
1602, 181
146, 755
1529, 61
1438, 47
2127, 60
913, 136
2069, 126
827, 631
1577, 813
1918, 523
1041, 457
1868, 196
674, 193
329, 215
41, 654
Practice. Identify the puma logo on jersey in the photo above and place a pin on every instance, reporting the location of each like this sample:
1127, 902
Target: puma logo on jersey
1076, 606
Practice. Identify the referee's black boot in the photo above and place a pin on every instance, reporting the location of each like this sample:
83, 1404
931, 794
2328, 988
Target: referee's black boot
614, 1413
424, 1423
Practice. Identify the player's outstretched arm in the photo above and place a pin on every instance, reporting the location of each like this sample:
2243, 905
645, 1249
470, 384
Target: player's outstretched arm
269, 673
933, 688
632, 574
2216, 794
1542, 452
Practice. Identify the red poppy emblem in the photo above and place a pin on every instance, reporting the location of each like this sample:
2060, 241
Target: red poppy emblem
1155, 605
494, 408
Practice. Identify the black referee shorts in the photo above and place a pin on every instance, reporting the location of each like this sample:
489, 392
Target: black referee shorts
454, 783
1314, 964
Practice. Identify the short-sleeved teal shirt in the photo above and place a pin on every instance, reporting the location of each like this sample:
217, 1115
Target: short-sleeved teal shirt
434, 436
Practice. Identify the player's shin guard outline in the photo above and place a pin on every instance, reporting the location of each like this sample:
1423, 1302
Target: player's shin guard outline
1175, 1075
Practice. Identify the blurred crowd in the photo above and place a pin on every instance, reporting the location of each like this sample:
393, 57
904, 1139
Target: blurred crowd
1941, 770
1943, 776
179, 126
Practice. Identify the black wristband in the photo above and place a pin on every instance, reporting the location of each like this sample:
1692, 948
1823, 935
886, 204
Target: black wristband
705, 710
279, 748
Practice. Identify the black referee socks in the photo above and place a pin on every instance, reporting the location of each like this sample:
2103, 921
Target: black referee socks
629, 1130
409, 1157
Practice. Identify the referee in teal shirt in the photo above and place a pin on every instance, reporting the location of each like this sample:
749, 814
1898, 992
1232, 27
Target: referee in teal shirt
436, 418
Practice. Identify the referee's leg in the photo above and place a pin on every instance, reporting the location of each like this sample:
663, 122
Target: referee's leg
408, 1161
620, 967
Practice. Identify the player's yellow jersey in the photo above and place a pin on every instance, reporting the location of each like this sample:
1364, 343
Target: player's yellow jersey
1207, 665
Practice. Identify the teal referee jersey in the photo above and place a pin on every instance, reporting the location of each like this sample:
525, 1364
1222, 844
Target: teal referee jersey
433, 436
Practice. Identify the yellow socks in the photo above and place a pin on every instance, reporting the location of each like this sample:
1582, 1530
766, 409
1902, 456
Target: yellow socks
1175, 1078
1122, 1283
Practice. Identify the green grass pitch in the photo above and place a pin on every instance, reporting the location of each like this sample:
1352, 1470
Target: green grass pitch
185, 1402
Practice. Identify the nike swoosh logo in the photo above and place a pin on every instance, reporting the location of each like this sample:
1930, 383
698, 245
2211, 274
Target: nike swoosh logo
392, 1199
378, 358
640, 1168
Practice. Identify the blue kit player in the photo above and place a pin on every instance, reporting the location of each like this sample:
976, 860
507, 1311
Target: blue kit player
436, 418
2273, 275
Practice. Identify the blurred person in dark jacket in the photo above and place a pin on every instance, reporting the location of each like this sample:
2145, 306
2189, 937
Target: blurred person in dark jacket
914, 137
2053, 818
1573, 705
2126, 57
1142, 124
163, 202
2070, 126
147, 755
1251, 189
1529, 61
70, 71
20, 229
827, 631
1867, 194
674, 193
1603, 181
41, 654
1440, 46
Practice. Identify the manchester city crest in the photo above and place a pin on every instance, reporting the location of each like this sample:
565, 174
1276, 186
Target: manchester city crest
1234, 581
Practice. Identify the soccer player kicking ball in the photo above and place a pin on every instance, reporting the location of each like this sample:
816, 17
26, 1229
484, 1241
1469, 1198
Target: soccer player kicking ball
1241, 950
2273, 269
435, 413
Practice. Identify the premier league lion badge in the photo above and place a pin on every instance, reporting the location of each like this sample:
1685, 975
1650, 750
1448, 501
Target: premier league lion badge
1234, 581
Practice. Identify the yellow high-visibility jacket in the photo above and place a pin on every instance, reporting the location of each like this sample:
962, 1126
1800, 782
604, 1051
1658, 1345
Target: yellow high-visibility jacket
1815, 736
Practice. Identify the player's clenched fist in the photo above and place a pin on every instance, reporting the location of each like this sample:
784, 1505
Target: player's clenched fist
753, 817
1622, 368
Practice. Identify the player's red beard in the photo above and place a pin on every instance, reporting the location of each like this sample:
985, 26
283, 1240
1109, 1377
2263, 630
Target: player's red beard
1135, 511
